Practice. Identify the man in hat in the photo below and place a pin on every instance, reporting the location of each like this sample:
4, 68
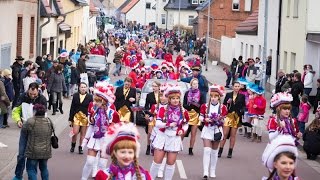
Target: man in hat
16, 69
203, 82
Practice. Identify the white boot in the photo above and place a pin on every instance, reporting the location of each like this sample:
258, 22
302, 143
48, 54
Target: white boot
206, 160
154, 169
214, 160
161, 169
87, 168
169, 172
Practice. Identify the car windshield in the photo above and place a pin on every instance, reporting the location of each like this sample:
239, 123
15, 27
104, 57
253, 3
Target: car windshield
147, 88
97, 59
149, 62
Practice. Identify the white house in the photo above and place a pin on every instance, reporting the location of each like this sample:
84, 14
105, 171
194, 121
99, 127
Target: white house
138, 11
184, 17
161, 14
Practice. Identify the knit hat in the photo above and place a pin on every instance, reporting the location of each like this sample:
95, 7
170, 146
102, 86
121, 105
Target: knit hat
281, 98
118, 132
282, 143
217, 88
105, 91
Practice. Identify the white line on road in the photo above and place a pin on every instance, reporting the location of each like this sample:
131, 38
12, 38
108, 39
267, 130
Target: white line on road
182, 172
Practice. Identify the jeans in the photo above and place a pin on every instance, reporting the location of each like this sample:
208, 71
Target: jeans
1, 120
307, 91
302, 126
117, 70
56, 96
32, 166
21, 159
295, 111
228, 81
68, 90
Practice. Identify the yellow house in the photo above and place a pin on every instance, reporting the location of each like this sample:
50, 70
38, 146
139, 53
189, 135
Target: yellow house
74, 11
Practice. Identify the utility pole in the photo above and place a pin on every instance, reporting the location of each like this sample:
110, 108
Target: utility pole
265, 43
207, 39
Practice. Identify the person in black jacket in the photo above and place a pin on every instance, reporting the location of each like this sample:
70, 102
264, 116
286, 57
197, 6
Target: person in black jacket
78, 115
16, 70
74, 79
311, 140
268, 68
126, 97
152, 98
281, 80
192, 102
235, 103
296, 91
317, 99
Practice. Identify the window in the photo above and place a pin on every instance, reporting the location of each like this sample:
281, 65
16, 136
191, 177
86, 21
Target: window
247, 5
31, 45
241, 49
270, 52
296, 8
235, 5
202, 1
293, 61
163, 19
285, 56
246, 52
259, 51
190, 23
288, 8
194, 1
251, 51
19, 37
148, 5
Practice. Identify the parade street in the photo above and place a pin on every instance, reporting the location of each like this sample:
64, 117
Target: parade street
245, 164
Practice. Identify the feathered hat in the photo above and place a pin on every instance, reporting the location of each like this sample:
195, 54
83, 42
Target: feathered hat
242, 81
260, 90
282, 143
173, 89
253, 87
281, 98
217, 88
118, 132
105, 91
119, 83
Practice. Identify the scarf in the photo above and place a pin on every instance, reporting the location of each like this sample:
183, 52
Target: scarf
101, 123
288, 129
174, 114
120, 173
276, 177
194, 97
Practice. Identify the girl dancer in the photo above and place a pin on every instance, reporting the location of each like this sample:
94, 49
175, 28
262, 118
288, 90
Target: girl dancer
104, 115
124, 149
259, 108
212, 115
282, 122
191, 102
78, 115
172, 122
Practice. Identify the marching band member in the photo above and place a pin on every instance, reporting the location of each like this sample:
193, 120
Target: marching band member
121, 143
212, 115
172, 122
104, 115
282, 122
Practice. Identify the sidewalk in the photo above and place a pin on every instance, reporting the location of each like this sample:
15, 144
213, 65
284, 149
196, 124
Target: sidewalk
10, 137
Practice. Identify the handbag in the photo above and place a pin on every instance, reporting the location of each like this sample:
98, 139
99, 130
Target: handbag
217, 136
54, 138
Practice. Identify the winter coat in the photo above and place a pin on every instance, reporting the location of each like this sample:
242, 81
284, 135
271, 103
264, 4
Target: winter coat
308, 79
312, 141
286, 86
251, 73
82, 66
117, 57
296, 91
56, 83
3, 103
41, 65
259, 68
48, 65
75, 76
9, 88
39, 132
268, 68
280, 82
16, 70
304, 112
317, 100
203, 83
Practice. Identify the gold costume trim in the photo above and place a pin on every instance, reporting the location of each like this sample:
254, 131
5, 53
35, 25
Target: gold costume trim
194, 118
80, 119
124, 114
232, 120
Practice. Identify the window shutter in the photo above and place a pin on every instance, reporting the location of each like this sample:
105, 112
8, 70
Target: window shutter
19, 36
31, 37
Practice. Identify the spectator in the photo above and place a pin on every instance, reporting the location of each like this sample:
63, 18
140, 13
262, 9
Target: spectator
317, 99
296, 91
251, 72
38, 129
82, 68
307, 79
303, 116
16, 70
28, 65
240, 68
75, 78
268, 68
56, 86
20, 116
4, 103
281, 80
117, 60
31, 77
48, 62
288, 84
233, 69
259, 68
7, 81
311, 140
229, 76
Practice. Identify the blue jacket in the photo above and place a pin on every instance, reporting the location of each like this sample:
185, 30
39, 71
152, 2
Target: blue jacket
203, 83
9, 88
47, 65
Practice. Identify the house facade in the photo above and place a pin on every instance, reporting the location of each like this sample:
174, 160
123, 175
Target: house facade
18, 35
224, 15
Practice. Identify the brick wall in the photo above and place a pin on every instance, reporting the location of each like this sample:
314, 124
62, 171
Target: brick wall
225, 19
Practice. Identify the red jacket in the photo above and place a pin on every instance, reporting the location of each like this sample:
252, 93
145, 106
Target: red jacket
261, 104
178, 60
168, 57
134, 78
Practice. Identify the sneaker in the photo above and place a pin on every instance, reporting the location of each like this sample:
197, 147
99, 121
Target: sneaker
3, 145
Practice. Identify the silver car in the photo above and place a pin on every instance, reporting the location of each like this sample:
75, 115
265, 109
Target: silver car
147, 88
98, 65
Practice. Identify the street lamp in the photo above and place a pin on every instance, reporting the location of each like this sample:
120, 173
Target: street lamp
207, 39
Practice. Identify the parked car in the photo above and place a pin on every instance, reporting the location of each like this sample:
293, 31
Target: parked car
98, 65
150, 61
147, 88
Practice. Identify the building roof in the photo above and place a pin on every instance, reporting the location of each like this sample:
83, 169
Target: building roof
184, 5
93, 9
46, 10
204, 5
127, 6
80, 2
59, 7
250, 25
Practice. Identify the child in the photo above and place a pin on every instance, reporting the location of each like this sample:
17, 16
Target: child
303, 116
229, 76
123, 147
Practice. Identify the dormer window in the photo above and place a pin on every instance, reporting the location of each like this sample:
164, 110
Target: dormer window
201, 1
235, 5
194, 1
